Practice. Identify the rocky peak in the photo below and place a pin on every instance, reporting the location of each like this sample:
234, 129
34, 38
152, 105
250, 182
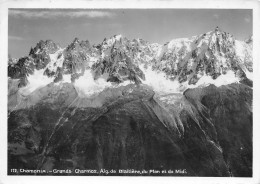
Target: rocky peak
117, 61
78, 45
210, 54
249, 40
112, 40
73, 44
217, 40
76, 40
47, 47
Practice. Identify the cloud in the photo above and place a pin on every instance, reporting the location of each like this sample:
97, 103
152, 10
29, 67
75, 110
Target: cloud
52, 13
216, 16
15, 38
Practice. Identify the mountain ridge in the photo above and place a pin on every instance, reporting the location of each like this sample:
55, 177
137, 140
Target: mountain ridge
131, 104
212, 53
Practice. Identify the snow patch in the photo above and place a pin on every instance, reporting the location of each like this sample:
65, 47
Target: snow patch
240, 48
35, 81
163, 85
66, 78
87, 86
226, 79
118, 37
159, 82
249, 75
56, 60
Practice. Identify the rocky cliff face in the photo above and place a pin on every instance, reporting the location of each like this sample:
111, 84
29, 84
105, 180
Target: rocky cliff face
185, 105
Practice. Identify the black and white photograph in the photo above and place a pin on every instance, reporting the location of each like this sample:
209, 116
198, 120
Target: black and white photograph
130, 92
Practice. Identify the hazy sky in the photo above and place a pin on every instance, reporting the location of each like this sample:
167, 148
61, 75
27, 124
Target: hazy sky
26, 27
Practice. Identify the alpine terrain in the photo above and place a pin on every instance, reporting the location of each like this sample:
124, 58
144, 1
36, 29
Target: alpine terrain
130, 106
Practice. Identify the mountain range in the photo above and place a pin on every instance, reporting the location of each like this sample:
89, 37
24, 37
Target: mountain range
131, 104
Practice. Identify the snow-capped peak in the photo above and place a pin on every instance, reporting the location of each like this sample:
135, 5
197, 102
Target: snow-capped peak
208, 58
112, 40
118, 37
